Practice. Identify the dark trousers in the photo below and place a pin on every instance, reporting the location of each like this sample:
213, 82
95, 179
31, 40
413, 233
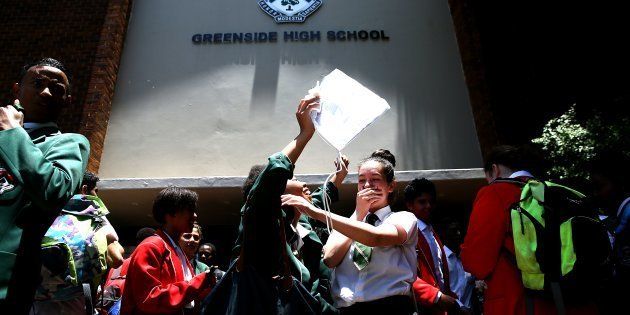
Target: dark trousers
26, 275
391, 305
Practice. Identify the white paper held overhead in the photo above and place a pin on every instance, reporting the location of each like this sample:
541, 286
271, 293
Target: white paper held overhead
346, 108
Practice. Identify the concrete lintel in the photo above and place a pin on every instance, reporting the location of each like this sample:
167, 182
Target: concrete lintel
311, 179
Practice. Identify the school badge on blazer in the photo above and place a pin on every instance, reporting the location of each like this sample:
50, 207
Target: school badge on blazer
289, 11
6, 181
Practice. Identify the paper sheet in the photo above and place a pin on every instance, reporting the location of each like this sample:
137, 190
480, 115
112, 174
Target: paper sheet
346, 108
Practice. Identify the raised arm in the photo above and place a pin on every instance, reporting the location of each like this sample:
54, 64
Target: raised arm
263, 197
307, 129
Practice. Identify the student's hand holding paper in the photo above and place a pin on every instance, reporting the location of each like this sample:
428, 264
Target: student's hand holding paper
302, 115
307, 105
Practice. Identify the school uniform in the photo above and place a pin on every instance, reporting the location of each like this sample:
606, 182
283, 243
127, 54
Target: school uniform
39, 172
462, 282
261, 250
160, 279
198, 266
433, 272
388, 276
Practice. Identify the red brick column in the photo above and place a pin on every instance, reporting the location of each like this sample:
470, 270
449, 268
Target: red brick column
100, 92
470, 50
87, 36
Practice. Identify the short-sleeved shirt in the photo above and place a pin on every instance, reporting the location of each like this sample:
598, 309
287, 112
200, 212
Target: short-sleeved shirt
391, 271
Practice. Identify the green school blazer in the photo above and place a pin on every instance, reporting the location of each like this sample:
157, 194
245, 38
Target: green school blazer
263, 222
38, 176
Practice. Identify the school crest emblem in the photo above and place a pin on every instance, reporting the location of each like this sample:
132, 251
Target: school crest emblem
289, 11
6, 181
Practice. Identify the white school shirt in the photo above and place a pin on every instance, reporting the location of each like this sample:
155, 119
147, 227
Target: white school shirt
188, 274
436, 253
521, 174
391, 271
462, 282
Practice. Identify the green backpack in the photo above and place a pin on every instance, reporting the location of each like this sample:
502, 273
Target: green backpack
74, 250
562, 249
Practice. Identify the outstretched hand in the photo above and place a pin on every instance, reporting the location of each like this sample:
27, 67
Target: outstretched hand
298, 203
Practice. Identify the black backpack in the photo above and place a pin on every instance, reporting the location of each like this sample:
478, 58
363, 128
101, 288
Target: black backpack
561, 247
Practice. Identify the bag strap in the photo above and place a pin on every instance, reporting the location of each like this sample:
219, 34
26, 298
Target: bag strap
514, 181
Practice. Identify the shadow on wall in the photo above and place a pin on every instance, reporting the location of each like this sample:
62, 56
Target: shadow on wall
429, 121
265, 85
435, 122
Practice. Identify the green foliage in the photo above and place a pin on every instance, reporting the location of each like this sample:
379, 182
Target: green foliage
569, 143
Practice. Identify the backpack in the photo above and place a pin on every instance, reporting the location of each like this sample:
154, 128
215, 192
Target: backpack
73, 252
111, 295
562, 248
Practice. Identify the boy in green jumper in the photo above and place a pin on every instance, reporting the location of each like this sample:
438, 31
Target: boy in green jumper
40, 169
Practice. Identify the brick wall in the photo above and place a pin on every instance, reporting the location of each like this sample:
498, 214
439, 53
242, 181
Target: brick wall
98, 101
87, 36
467, 32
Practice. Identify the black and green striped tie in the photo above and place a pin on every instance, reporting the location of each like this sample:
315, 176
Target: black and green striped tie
363, 253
